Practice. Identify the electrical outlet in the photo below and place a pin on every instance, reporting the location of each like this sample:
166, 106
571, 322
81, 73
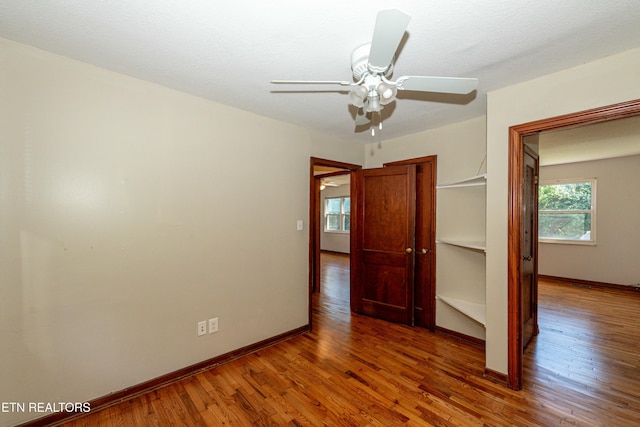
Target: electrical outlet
213, 325
202, 328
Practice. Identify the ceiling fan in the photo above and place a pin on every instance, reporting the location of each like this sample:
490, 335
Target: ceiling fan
372, 66
324, 182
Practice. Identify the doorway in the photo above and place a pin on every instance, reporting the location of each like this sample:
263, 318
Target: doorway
517, 135
319, 167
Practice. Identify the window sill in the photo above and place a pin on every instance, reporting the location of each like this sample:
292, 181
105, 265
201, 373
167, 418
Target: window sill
568, 242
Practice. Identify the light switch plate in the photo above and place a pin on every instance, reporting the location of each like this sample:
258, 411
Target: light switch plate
213, 325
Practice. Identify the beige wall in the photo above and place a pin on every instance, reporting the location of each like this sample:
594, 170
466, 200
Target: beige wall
460, 148
129, 212
603, 82
615, 138
614, 257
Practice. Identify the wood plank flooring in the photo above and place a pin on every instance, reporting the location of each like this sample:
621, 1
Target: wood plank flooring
353, 370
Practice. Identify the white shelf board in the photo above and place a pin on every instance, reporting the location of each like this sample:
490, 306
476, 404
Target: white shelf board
467, 244
467, 182
474, 310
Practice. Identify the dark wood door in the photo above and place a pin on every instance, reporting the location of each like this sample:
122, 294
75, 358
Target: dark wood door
424, 282
529, 279
385, 232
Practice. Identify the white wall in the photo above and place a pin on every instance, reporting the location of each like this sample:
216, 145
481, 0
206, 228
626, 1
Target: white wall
128, 213
607, 81
460, 213
614, 258
332, 241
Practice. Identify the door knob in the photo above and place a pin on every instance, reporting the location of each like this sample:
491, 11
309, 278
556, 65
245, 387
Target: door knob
527, 258
424, 251
408, 250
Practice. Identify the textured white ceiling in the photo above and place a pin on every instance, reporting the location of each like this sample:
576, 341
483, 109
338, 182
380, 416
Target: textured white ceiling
229, 51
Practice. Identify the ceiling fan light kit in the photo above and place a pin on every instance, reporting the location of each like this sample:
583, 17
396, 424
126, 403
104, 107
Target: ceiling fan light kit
374, 104
357, 96
372, 67
387, 92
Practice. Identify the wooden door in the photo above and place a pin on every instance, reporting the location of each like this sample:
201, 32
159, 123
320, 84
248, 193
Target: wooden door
529, 270
385, 240
425, 239
424, 282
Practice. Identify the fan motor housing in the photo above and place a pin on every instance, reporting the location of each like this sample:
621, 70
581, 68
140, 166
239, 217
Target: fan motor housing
360, 62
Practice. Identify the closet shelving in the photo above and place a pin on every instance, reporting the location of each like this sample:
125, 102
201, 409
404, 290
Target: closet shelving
466, 244
472, 309
467, 182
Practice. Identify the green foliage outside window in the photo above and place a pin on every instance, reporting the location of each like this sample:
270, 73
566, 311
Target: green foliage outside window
565, 210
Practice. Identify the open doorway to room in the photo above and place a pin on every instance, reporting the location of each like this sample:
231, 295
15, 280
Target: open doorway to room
335, 241
331, 195
517, 144
586, 257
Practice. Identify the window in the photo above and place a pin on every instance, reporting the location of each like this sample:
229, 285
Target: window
567, 211
337, 214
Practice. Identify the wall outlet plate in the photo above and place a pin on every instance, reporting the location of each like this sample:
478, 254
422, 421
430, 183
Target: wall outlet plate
202, 328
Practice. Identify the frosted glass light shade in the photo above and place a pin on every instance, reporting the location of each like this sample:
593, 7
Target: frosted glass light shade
387, 93
357, 95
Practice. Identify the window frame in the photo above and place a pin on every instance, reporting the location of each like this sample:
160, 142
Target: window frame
592, 235
342, 215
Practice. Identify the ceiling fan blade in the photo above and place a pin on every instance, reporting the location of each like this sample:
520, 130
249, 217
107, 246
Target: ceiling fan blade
387, 35
456, 85
311, 82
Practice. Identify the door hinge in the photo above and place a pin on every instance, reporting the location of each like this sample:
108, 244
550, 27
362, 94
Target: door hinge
535, 179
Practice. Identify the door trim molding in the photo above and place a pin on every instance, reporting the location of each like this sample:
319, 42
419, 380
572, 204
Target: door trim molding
516, 149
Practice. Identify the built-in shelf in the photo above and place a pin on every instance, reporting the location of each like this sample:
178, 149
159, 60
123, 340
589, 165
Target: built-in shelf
468, 182
475, 246
474, 310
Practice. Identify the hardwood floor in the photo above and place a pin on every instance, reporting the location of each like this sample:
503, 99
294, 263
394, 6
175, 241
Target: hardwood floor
353, 370
585, 364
